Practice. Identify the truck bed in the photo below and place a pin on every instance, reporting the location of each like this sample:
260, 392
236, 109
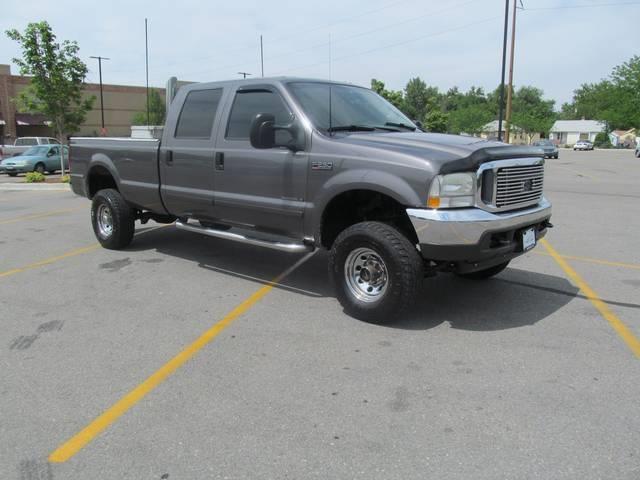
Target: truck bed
133, 161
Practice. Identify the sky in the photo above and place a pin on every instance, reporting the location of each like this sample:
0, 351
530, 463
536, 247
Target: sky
560, 44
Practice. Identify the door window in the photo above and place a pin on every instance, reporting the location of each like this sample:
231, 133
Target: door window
248, 104
197, 114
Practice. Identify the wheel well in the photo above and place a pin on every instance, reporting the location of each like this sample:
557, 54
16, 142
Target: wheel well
357, 206
99, 179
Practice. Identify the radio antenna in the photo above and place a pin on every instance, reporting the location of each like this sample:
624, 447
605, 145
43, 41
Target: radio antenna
330, 125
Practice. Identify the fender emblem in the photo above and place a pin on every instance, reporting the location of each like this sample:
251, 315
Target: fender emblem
321, 165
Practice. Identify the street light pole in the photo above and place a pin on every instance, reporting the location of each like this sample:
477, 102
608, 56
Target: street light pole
504, 62
261, 57
102, 132
510, 88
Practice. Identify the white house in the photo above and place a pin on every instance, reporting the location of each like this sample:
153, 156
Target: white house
570, 131
517, 136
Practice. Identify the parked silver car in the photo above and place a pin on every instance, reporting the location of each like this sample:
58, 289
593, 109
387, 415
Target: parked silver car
583, 145
548, 147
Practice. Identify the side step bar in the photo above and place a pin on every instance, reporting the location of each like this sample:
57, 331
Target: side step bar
237, 237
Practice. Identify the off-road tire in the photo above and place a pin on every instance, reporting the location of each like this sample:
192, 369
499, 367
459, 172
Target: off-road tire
486, 273
122, 219
403, 264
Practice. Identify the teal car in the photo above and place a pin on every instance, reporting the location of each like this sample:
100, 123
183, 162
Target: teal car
40, 158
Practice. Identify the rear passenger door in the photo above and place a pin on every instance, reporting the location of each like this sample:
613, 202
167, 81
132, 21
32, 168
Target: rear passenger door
186, 155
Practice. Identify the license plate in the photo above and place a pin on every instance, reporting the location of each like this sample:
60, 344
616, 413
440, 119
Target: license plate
528, 239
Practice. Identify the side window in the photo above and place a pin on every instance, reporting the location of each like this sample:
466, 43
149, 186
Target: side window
54, 141
197, 114
247, 105
54, 151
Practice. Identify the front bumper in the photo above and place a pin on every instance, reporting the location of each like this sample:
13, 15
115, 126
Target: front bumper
14, 169
474, 239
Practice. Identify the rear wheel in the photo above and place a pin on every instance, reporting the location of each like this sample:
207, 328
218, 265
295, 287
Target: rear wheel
486, 273
112, 219
39, 168
376, 271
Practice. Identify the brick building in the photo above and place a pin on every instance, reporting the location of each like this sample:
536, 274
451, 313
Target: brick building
120, 104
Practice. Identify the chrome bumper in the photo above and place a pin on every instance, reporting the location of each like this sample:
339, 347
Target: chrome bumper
466, 226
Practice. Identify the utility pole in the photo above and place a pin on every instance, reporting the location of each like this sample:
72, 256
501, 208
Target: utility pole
244, 74
504, 62
146, 60
261, 57
102, 131
510, 88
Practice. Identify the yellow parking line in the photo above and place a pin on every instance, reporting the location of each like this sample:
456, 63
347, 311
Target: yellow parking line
40, 215
595, 260
620, 328
72, 253
47, 261
72, 446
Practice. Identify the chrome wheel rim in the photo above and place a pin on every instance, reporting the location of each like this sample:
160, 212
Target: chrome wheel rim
105, 220
366, 275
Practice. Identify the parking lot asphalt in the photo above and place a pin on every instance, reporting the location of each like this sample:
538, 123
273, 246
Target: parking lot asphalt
177, 359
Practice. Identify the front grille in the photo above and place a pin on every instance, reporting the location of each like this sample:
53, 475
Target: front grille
518, 186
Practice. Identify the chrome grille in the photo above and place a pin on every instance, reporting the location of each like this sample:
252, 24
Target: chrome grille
518, 186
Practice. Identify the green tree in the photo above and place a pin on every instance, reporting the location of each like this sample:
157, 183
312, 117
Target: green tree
420, 98
615, 100
469, 119
531, 113
157, 111
392, 96
57, 78
436, 121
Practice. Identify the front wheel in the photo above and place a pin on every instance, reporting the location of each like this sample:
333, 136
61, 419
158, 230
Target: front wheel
376, 271
486, 273
112, 219
39, 168
12, 174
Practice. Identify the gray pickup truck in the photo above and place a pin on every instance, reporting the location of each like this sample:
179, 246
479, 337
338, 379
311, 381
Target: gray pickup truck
296, 164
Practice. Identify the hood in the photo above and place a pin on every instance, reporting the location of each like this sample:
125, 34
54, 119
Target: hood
446, 153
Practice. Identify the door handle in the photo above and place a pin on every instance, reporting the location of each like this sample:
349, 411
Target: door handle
219, 160
169, 157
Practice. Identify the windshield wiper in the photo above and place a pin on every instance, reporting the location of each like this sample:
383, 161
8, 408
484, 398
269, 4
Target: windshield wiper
401, 125
351, 128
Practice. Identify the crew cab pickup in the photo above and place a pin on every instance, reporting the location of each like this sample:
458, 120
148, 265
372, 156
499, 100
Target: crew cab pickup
297, 165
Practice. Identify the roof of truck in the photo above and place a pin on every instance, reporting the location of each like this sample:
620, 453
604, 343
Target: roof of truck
261, 80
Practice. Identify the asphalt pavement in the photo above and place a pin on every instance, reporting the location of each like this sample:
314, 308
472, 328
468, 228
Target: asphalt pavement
188, 357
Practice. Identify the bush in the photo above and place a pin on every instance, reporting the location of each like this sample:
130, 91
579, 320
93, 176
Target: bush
602, 140
34, 177
65, 179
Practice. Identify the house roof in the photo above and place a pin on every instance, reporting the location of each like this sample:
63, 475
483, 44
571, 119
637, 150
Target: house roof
581, 126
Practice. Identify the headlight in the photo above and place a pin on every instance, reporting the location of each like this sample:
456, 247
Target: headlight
452, 191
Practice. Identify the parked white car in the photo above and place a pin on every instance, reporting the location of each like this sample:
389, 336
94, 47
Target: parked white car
583, 145
23, 144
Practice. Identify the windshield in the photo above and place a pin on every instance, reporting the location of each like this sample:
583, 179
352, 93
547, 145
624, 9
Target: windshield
350, 106
36, 151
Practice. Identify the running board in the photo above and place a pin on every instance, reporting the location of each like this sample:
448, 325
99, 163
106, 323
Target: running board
237, 237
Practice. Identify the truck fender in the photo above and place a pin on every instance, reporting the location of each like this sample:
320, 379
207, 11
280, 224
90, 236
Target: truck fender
101, 160
360, 179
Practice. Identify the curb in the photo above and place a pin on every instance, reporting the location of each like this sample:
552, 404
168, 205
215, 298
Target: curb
49, 187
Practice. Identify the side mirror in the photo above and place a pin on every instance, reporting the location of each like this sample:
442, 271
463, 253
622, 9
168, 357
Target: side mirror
262, 133
418, 124
50, 153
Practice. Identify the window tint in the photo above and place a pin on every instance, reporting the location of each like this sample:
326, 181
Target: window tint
248, 104
198, 112
53, 141
54, 151
26, 141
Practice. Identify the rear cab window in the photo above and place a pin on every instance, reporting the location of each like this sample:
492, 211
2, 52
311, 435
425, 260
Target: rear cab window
198, 113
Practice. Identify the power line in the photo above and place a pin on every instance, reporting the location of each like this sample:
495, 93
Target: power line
584, 5
343, 39
384, 47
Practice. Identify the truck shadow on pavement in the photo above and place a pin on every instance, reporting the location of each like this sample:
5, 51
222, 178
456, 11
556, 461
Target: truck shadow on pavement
515, 298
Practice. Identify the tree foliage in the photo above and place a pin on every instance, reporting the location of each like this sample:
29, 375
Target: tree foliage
614, 100
157, 111
394, 97
57, 78
531, 113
